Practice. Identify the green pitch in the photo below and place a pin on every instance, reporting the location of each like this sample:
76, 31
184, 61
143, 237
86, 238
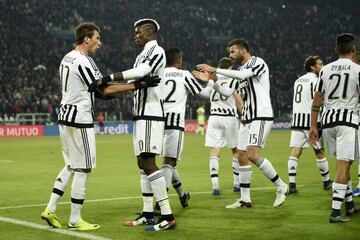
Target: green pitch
28, 167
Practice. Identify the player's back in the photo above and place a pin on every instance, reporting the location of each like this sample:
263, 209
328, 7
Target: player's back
340, 82
221, 105
177, 85
77, 71
304, 88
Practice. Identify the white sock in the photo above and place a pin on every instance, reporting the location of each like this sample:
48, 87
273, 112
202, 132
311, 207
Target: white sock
269, 171
214, 171
176, 182
61, 182
158, 185
245, 173
292, 166
78, 189
323, 166
339, 191
235, 167
147, 193
168, 171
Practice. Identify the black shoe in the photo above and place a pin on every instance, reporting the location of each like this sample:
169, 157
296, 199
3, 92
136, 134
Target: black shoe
338, 219
292, 188
353, 210
184, 200
327, 185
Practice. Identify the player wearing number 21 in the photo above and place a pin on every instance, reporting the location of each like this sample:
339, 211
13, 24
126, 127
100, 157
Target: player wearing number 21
338, 87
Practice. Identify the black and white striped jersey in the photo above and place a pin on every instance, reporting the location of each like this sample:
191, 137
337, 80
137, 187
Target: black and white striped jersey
177, 85
339, 81
148, 102
77, 72
304, 89
255, 91
221, 105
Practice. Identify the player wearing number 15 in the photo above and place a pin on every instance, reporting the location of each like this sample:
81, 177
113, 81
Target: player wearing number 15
304, 88
338, 86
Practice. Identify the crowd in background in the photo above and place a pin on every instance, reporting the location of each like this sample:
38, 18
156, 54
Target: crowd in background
37, 34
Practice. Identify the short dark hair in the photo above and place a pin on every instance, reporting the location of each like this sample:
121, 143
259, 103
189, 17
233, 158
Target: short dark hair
148, 23
85, 29
172, 54
345, 43
225, 63
310, 61
239, 42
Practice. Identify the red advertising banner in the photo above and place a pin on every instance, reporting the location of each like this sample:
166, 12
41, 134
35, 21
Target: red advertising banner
192, 125
22, 131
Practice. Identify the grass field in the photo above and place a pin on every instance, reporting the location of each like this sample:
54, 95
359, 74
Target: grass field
28, 167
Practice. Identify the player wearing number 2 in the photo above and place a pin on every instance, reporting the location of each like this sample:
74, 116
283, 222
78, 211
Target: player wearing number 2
178, 84
338, 89
304, 88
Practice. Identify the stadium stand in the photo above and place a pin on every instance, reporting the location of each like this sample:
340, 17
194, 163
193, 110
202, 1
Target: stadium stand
36, 34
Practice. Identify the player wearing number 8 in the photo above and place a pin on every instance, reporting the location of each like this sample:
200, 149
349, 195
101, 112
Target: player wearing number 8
304, 88
338, 86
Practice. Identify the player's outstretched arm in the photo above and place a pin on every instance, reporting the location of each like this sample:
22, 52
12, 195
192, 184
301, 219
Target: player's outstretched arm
144, 82
205, 68
202, 76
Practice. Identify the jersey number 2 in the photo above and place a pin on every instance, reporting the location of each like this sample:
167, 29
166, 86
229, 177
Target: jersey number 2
167, 99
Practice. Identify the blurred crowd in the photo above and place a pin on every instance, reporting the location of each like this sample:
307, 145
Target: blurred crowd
37, 34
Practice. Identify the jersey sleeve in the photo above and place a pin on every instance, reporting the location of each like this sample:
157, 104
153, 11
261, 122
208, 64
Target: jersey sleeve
154, 59
191, 84
320, 83
259, 67
88, 70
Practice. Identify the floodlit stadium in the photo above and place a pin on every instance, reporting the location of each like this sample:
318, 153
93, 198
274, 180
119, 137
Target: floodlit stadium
36, 35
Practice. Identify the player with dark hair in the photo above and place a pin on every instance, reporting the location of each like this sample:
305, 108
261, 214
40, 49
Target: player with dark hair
178, 85
257, 114
338, 90
79, 77
304, 88
149, 122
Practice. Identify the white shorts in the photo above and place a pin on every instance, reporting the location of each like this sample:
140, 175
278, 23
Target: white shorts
221, 132
253, 134
148, 136
342, 142
78, 146
300, 139
173, 143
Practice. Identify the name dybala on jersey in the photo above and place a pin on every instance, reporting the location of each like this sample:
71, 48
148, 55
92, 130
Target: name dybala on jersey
148, 102
220, 104
77, 71
255, 92
339, 81
304, 89
177, 85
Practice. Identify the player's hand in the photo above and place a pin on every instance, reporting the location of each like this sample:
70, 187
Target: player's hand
203, 76
99, 83
146, 82
313, 135
205, 68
